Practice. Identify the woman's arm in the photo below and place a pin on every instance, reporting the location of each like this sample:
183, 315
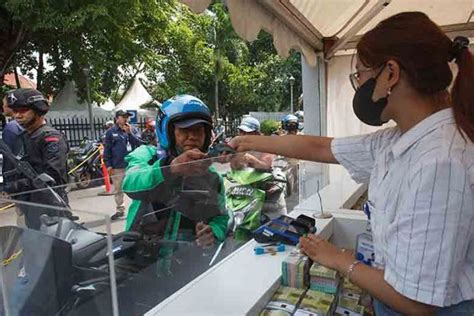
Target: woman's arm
368, 278
313, 148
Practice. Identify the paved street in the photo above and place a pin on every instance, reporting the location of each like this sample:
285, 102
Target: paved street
88, 205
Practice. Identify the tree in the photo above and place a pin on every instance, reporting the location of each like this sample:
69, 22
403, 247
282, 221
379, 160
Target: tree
105, 36
178, 51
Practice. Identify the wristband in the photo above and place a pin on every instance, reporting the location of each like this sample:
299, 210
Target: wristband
351, 269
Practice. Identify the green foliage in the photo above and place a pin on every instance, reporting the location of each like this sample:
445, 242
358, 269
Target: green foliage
178, 51
269, 127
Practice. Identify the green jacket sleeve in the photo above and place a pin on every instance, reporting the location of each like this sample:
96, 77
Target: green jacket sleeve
145, 178
220, 224
132, 212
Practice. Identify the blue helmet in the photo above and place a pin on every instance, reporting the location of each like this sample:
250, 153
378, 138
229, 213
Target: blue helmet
177, 109
289, 122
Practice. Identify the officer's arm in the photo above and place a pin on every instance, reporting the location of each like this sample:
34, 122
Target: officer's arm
219, 224
108, 149
54, 149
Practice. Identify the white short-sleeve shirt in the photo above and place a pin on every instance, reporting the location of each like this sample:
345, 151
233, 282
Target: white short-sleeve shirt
421, 196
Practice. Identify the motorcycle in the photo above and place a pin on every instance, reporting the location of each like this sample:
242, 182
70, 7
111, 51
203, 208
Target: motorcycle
254, 197
86, 164
290, 168
72, 260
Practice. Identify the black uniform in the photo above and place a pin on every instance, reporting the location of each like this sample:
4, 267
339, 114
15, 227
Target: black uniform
46, 150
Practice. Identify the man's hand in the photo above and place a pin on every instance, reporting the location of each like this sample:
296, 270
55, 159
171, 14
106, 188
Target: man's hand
204, 235
127, 128
186, 165
238, 143
241, 161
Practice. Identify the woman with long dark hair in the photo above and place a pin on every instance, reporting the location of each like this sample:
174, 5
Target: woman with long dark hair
420, 173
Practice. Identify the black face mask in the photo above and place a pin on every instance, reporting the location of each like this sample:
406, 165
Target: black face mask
367, 110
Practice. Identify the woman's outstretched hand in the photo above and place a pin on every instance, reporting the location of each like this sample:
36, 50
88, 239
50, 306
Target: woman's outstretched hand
323, 252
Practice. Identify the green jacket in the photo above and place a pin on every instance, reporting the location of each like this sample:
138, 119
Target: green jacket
147, 178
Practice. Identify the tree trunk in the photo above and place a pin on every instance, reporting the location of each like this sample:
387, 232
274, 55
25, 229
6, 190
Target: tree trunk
11, 38
17, 79
58, 64
40, 70
216, 96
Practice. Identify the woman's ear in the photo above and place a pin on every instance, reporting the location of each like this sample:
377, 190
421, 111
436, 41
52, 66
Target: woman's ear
393, 73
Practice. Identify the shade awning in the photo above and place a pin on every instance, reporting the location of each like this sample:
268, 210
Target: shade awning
306, 25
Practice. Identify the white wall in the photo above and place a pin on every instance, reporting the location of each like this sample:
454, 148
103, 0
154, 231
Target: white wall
341, 120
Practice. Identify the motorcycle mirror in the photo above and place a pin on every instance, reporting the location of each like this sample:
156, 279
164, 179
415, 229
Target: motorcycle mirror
45, 179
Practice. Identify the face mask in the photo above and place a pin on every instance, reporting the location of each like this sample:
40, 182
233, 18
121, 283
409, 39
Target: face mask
367, 110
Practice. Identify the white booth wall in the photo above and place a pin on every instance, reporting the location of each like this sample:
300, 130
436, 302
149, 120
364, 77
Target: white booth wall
341, 120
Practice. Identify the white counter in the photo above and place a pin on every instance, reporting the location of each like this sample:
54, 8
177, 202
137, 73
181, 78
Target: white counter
242, 283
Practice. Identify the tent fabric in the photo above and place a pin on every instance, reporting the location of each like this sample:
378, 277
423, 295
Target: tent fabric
332, 18
109, 105
327, 18
67, 104
249, 18
134, 98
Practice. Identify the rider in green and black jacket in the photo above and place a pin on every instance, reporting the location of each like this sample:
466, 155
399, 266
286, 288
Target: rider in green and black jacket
167, 185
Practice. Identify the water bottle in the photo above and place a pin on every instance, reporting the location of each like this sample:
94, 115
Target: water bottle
365, 246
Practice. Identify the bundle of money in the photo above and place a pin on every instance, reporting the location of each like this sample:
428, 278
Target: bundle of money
295, 270
349, 307
323, 279
283, 302
316, 303
350, 290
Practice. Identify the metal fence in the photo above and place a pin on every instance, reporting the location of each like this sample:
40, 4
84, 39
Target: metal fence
77, 128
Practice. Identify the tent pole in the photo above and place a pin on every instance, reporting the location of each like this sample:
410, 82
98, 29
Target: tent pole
369, 15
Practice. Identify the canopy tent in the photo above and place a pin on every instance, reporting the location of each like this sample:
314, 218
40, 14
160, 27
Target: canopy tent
108, 105
312, 26
322, 30
67, 104
135, 97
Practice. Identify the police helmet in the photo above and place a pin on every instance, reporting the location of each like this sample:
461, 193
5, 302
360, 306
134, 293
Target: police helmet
27, 98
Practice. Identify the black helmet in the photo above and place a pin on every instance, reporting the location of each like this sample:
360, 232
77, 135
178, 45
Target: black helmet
27, 98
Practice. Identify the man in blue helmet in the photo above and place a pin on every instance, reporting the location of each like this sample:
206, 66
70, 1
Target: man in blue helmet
175, 191
290, 124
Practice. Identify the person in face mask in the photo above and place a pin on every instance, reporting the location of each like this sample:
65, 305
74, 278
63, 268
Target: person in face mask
420, 172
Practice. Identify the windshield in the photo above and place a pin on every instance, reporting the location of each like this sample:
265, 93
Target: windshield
178, 222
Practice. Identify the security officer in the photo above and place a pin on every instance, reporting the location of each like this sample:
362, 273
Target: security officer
44, 148
120, 140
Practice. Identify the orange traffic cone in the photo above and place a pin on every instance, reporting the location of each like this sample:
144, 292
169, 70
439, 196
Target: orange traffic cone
105, 172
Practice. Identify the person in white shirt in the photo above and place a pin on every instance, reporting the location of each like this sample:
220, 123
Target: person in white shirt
420, 173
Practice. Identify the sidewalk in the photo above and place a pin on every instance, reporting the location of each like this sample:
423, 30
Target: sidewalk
91, 208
